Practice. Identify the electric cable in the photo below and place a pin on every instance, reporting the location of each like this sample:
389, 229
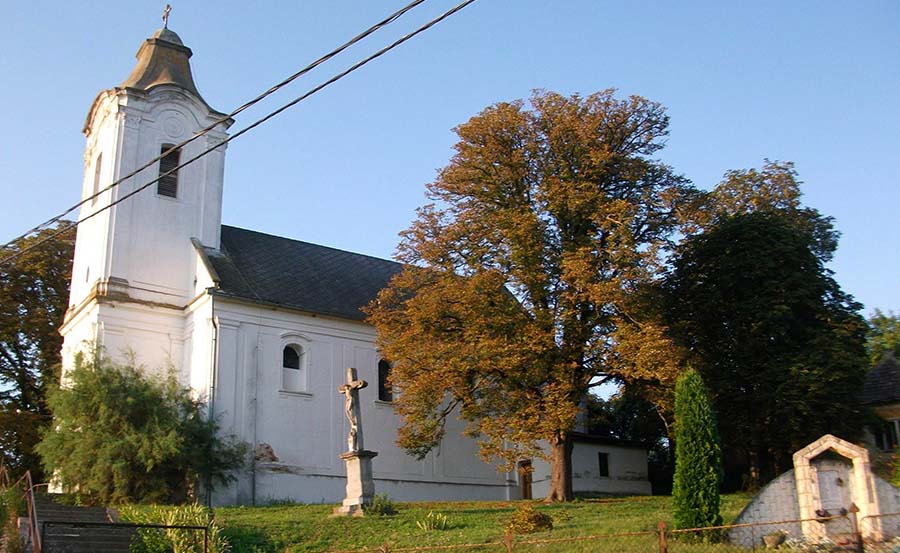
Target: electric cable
275, 88
257, 123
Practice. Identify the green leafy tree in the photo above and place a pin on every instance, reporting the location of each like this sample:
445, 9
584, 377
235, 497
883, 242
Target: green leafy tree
896, 479
629, 415
522, 276
777, 342
122, 437
34, 291
626, 416
698, 456
774, 188
884, 336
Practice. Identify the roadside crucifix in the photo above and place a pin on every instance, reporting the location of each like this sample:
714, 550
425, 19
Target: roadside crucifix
360, 483
350, 390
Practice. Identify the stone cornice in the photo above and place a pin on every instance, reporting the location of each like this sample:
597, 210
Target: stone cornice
111, 291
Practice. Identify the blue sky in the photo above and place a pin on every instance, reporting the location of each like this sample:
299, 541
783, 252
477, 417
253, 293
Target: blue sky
814, 82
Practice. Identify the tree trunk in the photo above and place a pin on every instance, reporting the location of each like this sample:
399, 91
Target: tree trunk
755, 482
561, 469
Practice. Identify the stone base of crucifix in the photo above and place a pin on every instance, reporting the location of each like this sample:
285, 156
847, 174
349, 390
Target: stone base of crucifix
360, 484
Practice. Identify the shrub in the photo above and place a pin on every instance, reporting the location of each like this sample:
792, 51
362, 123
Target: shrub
11, 506
896, 480
173, 540
382, 506
698, 457
528, 520
122, 437
433, 521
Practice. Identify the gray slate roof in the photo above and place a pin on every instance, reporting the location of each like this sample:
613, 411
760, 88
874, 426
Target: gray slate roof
279, 271
882, 384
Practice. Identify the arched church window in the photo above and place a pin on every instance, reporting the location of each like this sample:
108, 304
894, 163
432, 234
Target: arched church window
385, 392
291, 357
98, 166
168, 174
293, 368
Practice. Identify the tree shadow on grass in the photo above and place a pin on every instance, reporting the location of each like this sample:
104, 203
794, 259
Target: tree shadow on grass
249, 540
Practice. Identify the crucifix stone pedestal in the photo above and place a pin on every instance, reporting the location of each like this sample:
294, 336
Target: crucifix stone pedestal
360, 483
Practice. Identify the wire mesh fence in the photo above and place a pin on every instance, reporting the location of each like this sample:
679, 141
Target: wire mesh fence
625, 542
881, 533
819, 535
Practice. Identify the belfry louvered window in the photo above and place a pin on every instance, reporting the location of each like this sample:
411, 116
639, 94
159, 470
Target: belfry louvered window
168, 183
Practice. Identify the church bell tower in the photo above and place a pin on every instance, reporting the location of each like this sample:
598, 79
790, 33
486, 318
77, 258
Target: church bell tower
135, 262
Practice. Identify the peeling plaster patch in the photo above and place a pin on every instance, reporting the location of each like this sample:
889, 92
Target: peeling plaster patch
265, 454
280, 468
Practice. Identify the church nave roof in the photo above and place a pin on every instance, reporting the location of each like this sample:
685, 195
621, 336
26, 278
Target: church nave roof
279, 271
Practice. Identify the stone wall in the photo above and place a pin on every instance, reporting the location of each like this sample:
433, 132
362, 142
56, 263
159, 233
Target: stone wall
777, 502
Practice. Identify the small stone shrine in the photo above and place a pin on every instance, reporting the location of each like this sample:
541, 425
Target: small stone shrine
360, 484
831, 480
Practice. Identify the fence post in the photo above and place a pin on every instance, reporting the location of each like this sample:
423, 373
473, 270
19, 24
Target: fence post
509, 541
854, 527
40, 545
663, 546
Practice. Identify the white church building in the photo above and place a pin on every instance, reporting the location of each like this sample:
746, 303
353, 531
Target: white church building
262, 327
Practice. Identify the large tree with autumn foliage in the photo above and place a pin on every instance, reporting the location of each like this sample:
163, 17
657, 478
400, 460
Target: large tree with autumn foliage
524, 277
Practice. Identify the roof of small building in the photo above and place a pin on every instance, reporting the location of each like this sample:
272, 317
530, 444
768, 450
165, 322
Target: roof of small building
608, 440
882, 384
289, 273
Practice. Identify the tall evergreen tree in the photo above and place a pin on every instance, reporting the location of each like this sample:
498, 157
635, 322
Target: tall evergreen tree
698, 456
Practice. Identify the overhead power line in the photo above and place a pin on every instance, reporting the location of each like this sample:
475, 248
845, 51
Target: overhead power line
257, 123
381, 24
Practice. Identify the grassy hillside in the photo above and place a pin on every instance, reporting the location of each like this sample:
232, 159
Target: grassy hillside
305, 528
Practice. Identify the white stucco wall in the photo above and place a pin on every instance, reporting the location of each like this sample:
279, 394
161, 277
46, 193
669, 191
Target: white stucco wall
627, 471
128, 128
152, 336
307, 430
134, 266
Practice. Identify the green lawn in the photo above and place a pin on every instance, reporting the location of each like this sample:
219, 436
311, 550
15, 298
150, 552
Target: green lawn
299, 528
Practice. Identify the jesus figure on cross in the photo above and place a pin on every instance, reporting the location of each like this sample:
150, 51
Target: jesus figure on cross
351, 408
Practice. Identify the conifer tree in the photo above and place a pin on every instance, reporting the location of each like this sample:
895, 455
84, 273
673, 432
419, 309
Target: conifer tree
698, 456
119, 436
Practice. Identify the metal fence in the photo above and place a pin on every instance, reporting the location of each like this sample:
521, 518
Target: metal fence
881, 532
833, 534
82, 535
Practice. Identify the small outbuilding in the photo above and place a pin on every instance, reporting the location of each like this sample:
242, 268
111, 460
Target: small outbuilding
831, 478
